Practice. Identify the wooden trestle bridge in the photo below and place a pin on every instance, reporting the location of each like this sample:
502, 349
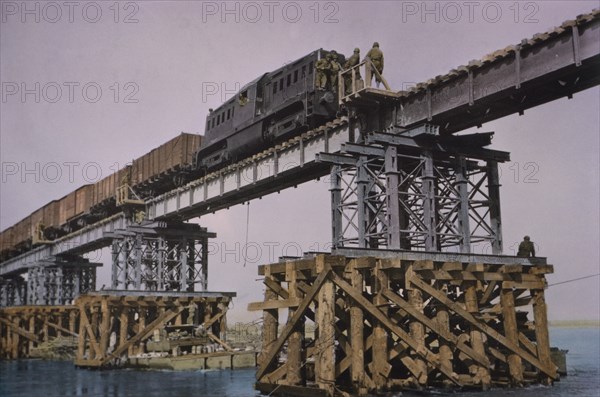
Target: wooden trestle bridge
402, 301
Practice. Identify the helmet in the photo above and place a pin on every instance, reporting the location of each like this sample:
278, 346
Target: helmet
526, 238
375, 44
357, 50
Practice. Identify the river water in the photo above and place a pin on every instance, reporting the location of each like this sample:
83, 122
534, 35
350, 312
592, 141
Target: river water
32, 378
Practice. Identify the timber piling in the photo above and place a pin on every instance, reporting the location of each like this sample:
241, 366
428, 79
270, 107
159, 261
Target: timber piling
388, 323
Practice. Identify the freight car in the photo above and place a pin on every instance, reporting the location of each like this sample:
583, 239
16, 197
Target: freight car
273, 107
156, 172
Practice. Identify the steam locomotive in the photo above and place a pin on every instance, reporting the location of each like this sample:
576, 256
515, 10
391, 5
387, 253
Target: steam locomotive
272, 108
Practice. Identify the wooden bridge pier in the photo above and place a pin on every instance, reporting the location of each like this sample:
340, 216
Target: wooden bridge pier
23, 329
116, 325
389, 323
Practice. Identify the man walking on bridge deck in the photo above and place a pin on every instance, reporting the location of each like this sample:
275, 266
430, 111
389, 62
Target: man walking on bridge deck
376, 56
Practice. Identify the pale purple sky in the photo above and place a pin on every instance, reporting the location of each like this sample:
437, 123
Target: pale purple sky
158, 62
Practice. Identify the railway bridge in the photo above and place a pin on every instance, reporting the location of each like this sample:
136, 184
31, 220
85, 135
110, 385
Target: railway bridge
406, 193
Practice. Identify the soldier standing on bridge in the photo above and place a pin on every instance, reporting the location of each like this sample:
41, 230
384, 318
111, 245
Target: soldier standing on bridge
322, 66
350, 63
526, 248
334, 69
376, 57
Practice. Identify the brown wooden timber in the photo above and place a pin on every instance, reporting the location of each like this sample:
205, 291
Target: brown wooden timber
403, 298
357, 336
480, 372
294, 352
515, 365
540, 316
276, 346
485, 328
325, 357
380, 367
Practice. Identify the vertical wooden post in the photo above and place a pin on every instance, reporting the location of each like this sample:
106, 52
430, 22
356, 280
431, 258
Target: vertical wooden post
72, 319
357, 337
45, 328
294, 352
123, 325
222, 321
507, 300
16, 338
31, 331
104, 325
479, 373
446, 357
142, 325
270, 319
81, 340
8, 344
380, 367
94, 324
417, 331
3, 331
58, 320
540, 318
325, 343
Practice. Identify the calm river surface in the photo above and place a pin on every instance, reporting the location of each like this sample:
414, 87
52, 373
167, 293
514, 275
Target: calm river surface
31, 378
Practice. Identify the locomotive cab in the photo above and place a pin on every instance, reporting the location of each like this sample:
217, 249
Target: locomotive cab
274, 107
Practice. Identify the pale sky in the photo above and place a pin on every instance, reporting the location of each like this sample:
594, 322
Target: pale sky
116, 81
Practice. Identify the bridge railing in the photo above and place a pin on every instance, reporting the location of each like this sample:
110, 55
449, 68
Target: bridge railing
351, 83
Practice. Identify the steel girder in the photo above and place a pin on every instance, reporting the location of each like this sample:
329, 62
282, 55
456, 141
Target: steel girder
388, 195
160, 258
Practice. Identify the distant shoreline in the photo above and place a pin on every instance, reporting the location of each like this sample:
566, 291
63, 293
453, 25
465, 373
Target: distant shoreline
575, 323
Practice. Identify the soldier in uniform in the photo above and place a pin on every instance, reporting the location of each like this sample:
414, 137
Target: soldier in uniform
334, 69
243, 99
376, 56
350, 63
322, 66
526, 248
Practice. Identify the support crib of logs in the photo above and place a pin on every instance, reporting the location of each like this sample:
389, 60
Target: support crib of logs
389, 323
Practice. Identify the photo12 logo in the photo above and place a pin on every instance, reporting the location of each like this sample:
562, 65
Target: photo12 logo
69, 11
270, 11
68, 91
54, 172
469, 11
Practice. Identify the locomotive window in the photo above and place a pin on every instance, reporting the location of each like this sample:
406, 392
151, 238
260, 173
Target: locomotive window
275, 88
228, 113
303, 70
310, 67
213, 123
281, 84
295, 75
207, 125
223, 117
289, 79
232, 110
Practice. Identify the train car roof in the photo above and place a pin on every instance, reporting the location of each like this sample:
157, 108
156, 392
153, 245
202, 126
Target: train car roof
256, 80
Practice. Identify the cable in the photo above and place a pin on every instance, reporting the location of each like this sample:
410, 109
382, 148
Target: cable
575, 279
